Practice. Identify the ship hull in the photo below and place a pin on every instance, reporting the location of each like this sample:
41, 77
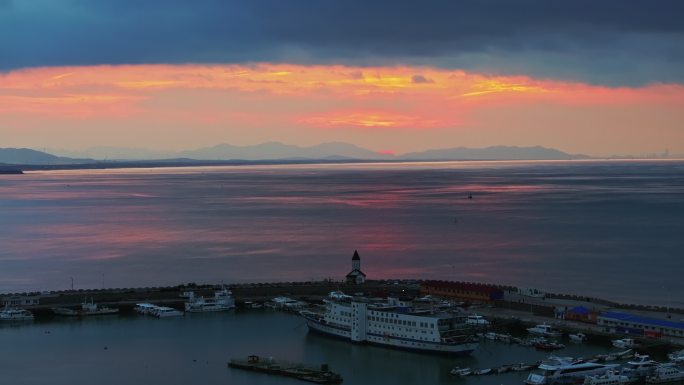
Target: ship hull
390, 341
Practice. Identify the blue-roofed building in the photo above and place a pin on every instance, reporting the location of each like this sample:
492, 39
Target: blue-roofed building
625, 323
581, 314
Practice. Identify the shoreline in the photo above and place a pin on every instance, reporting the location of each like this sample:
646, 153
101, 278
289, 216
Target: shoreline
512, 311
162, 164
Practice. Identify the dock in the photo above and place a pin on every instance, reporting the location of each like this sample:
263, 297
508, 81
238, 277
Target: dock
320, 375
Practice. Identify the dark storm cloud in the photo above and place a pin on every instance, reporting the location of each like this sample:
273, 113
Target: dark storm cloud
417, 79
610, 41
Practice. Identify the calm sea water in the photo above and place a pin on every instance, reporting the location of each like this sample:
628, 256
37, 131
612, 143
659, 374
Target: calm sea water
196, 348
610, 229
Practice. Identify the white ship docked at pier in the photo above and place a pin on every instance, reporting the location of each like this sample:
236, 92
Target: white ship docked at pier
395, 324
222, 301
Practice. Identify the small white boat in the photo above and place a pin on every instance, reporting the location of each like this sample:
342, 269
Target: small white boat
461, 371
165, 311
480, 372
144, 308
13, 314
624, 343
578, 337
544, 330
476, 320
610, 378
666, 374
157, 311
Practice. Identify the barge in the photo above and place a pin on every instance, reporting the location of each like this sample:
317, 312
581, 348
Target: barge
321, 375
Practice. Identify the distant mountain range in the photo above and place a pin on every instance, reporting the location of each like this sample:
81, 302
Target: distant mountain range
273, 151
28, 156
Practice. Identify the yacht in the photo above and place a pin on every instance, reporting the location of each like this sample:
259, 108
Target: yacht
87, 308
666, 374
222, 301
610, 378
395, 323
13, 314
544, 330
565, 369
640, 366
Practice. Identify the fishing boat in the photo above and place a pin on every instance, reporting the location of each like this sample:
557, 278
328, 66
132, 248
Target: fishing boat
87, 309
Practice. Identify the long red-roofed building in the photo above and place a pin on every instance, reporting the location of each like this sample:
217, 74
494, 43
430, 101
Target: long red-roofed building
465, 291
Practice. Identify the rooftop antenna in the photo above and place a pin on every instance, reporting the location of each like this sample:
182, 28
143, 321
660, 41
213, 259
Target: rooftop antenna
72, 283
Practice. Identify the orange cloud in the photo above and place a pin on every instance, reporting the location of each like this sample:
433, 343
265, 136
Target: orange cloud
265, 98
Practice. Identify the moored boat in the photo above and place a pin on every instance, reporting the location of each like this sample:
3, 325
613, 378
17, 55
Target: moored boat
476, 320
320, 375
544, 330
562, 369
610, 378
458, 371
87, 309
639, 367
165, 311
548, 346
624, 343
665, 374
677, 357
222, 301
577, 337
15, 314
395, 323
157, 311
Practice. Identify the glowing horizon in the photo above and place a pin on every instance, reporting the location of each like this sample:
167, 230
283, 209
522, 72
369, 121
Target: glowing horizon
391, 109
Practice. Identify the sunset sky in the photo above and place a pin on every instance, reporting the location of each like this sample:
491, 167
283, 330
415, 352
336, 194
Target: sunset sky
598, 78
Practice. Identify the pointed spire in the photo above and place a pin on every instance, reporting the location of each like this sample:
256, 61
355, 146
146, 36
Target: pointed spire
356, 256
